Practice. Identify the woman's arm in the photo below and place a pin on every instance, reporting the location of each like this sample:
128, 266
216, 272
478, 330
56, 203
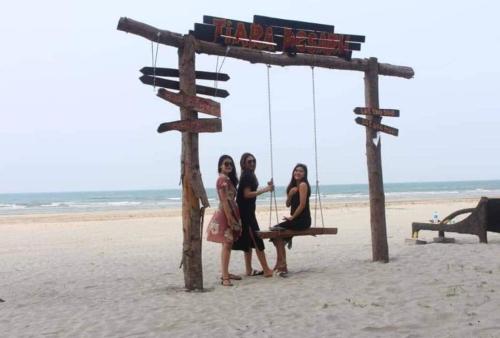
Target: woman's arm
289, 196
302, 202
248, 193
226, 206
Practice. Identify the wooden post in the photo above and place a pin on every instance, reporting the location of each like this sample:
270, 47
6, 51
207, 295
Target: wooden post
191, 248
380, 248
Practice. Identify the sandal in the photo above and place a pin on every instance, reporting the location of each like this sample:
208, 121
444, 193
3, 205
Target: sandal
226, 282
282, 274
255, 273
235, 277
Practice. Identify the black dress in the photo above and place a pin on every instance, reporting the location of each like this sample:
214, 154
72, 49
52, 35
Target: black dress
302, 221
248, 238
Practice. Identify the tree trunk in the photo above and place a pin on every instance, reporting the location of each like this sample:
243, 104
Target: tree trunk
380, 248
191, 253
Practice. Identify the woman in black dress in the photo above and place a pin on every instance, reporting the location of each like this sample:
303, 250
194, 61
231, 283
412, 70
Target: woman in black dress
246, 197
297, 198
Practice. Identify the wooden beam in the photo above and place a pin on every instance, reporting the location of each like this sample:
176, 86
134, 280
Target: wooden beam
380, 248
256, 56
199, 104
376, 112
377, 126
290, 233
269, 21
171, 72
193, 126
190, 165
170, 84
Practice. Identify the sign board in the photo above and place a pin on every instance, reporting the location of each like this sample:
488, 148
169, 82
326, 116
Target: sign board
376, 111
199, 104
170, 84
377, 126
193, 126
278, 35
172, 72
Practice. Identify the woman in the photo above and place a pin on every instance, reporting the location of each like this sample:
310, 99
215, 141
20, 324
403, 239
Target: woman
247, 195
297, 198
225, 225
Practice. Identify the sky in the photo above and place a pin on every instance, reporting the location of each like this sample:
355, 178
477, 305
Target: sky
75, 117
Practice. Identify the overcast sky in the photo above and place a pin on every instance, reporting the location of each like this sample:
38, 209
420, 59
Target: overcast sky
74, 115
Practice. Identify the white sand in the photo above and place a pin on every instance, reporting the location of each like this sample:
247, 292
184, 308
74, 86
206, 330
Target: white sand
116, 275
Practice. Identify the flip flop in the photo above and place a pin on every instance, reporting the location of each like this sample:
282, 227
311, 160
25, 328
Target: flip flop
226, 282
235, 277
282, 274
256, 273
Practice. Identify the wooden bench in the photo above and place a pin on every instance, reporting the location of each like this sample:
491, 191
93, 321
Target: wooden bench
483, 218
290, 233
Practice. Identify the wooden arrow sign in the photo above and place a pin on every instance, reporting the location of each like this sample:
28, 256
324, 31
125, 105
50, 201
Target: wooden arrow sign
377, 126
161, 82
376, 111
171, 72
193, 126
199, 104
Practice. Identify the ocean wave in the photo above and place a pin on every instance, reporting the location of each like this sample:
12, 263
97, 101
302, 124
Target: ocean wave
12, 206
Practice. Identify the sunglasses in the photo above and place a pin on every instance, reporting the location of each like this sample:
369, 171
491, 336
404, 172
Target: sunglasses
251, 161
227, 164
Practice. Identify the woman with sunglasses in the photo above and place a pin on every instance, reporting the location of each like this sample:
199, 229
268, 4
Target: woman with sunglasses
225, 225
297, 198
246, 198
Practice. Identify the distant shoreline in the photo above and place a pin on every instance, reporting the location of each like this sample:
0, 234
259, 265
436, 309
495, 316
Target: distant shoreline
101, 201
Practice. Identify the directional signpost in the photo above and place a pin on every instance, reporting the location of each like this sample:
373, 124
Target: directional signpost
377, 126
376, 112
199, 104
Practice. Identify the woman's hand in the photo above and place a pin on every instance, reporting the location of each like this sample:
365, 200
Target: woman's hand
270, 185
287, 218
293, 191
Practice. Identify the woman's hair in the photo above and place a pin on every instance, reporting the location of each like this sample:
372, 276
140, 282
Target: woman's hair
244, 171
294, 183
232, 175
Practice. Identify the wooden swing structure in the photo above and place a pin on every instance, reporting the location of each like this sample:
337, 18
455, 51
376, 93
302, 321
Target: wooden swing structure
269, 41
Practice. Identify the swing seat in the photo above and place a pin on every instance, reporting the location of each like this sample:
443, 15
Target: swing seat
314, 231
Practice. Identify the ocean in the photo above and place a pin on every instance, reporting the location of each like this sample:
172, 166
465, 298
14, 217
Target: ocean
88, 201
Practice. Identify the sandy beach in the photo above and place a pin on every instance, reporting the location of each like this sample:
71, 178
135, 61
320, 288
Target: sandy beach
116, 274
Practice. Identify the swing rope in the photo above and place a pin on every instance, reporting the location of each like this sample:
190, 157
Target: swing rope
273, 193
154, 59
317, 197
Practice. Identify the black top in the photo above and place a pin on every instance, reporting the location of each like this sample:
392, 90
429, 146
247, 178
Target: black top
246, 205
305, 215
248, 238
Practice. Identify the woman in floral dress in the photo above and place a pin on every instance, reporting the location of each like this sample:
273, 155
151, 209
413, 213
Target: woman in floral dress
225, 225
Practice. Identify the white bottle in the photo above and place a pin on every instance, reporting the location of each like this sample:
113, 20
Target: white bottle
435, 217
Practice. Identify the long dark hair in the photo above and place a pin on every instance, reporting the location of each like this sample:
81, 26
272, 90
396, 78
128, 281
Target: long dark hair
232, 175
243, 159
294, 183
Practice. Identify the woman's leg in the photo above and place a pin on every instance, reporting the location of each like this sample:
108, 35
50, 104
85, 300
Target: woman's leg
248, 262
280, 253
225, 255
261, 255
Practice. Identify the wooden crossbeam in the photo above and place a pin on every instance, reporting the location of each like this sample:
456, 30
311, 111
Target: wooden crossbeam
290, 233
172, 72
376, 111
203, 90
199, 104
193, 126
377, 126
268, 21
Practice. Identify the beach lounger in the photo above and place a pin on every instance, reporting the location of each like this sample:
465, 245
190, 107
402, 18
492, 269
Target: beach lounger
484, 217
290, 233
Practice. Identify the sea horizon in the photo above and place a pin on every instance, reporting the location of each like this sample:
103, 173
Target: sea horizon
107, 200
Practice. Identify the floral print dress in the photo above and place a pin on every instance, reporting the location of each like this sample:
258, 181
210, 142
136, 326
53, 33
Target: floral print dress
225, 225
